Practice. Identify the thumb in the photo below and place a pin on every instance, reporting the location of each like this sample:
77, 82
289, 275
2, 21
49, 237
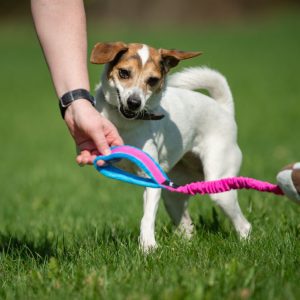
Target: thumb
112, 134
114, 137
100, 142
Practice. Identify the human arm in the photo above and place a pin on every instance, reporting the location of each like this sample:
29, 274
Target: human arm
61, 28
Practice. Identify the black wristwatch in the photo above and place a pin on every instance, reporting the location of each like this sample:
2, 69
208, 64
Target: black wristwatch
74, 95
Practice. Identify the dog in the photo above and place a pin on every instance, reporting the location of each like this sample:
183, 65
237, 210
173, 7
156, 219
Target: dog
191, 135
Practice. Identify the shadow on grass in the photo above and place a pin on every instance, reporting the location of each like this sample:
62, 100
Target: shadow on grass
109, 238
42, 247
212, 226
26, 248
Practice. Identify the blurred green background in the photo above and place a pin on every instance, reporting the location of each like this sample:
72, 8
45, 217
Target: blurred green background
66, 232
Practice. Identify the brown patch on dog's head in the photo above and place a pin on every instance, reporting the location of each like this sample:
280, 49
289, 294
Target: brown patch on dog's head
171, 58
103, 53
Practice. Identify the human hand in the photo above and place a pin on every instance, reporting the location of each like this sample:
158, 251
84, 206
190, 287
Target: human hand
93, 133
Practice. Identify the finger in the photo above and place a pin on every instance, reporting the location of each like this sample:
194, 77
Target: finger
117, 141
100, 142
85, 160
113, 136
84, 157
79, 160
100, 163
111, 133
88, 160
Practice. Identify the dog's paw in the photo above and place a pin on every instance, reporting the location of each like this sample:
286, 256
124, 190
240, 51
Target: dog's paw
244, 231
147, 245
185, 230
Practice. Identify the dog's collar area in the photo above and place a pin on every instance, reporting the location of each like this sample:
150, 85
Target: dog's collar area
144, 115
127, 113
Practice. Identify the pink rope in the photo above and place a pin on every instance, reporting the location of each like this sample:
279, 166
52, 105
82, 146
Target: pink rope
225, 185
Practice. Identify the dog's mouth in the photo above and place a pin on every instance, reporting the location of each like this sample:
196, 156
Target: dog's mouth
128, 114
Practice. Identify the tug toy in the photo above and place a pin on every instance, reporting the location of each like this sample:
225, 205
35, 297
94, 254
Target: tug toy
288, 179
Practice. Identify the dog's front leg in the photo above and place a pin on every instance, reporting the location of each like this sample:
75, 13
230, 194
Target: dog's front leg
147, 236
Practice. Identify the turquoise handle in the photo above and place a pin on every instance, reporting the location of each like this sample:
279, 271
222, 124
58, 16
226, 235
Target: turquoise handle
156, 176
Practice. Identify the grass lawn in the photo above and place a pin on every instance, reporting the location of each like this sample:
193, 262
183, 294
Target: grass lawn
68, 233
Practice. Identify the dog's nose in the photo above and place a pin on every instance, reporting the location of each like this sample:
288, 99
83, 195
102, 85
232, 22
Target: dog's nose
134, 102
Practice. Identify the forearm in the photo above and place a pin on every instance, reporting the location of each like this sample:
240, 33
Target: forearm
61, 28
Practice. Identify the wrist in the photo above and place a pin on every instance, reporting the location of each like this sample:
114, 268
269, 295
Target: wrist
77, 107
73, 96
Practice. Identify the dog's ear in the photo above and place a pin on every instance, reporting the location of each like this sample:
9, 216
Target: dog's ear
103, 53
171, 58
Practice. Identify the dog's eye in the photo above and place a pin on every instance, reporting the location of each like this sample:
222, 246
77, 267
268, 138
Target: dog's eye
124, 74
152, 81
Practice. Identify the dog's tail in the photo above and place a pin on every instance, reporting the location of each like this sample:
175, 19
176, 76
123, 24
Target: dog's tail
204, 78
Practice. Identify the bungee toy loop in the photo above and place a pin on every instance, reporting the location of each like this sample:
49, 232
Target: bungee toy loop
288, 179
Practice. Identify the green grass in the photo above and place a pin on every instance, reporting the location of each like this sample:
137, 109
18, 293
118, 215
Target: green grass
67, 233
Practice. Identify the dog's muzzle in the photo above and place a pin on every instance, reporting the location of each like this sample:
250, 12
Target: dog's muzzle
133, 112
133, 105
128, 114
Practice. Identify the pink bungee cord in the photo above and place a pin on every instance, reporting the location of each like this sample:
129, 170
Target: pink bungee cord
288, 179
227, 184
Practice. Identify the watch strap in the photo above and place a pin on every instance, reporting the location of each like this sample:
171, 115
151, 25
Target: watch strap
74, 95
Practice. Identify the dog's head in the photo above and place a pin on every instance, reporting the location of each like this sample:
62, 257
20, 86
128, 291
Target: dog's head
134, 73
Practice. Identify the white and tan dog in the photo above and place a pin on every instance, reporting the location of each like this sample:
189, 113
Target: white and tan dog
191, 135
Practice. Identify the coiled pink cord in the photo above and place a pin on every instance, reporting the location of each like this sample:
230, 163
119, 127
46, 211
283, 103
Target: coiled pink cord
225, 185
